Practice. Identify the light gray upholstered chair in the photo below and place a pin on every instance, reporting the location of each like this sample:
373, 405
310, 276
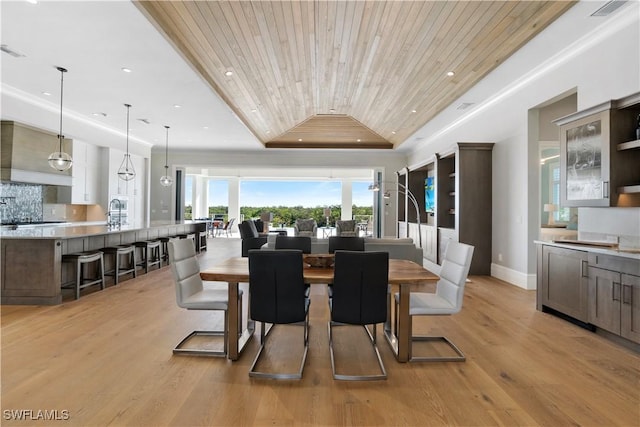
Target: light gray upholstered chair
305, 227
192, 294
346, 228
446, 300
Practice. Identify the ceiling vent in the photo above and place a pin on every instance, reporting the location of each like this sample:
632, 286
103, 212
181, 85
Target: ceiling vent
609, 7
7, 49
145, 121
464, 105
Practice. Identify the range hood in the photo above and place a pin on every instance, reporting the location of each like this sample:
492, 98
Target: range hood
24, 152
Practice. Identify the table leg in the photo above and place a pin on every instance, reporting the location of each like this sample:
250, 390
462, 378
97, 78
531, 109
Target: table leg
404, 324
237, 337
400, 344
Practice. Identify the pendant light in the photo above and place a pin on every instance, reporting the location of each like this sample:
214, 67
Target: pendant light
166, 179
60, 160
126, 171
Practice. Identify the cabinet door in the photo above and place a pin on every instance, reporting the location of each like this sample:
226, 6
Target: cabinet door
565, 282
630, 309
604, 299
584, 161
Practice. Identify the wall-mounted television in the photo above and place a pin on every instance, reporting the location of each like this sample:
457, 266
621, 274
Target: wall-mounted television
429, 194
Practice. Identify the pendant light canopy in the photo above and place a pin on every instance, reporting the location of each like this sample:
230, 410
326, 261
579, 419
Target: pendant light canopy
60, 160
166, 179
126, 171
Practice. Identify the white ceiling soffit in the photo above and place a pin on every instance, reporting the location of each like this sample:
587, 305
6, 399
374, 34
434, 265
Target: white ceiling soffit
94, 40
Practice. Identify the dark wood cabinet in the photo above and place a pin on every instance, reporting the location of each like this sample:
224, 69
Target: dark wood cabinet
599, 155
564, 282
614, 295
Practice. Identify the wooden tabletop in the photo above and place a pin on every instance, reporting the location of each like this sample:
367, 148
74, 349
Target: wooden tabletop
237, 270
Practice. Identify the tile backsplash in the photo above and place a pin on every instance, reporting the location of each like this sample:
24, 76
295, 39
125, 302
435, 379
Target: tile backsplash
20, 202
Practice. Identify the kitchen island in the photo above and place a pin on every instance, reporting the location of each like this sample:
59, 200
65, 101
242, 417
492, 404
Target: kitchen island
31, 258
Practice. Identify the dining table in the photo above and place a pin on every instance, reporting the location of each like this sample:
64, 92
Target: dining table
403, 274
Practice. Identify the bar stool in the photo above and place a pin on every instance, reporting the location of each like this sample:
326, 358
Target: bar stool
203, 241
150, 254
164, 243
81, 259
118, 252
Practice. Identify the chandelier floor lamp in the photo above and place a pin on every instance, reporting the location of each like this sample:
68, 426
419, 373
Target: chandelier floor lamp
402, 190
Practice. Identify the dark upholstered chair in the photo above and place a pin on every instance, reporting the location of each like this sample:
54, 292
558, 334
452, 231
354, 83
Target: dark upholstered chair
250, 237
346, 228
193, 295
341, 243
359, 298
276, 285
294, 242
445, 301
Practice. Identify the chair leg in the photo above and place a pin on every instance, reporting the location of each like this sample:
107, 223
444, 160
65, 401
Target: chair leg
179, 349
460, 355
372, 338
280, 376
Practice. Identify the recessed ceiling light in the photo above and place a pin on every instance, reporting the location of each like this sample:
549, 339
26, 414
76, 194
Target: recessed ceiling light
32, 1
99, 114
126, 70
414, 111
333, 110
393, 132
205, 127
228, 73
253, 110
268, 131
177, 106
358, 140
299, 139
45, 93
451, 74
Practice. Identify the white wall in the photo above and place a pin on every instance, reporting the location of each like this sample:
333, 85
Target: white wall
603, 65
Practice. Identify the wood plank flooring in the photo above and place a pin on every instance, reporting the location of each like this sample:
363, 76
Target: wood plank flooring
107, 360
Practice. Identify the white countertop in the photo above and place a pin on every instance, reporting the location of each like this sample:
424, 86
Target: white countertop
79, 229
633, 253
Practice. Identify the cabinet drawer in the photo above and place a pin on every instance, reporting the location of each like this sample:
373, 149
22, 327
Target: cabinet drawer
615, 263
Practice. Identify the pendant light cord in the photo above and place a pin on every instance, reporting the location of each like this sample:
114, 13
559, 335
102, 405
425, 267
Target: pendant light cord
62, 71
128, 106
166, 150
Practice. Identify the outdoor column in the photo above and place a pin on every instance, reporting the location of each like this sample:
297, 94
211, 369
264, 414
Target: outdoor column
199, 197
347, 199
234, 200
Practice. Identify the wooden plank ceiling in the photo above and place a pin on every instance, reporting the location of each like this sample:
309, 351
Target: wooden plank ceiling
345, 74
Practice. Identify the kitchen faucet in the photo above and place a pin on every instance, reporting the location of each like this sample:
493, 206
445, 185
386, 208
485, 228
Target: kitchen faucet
119, 205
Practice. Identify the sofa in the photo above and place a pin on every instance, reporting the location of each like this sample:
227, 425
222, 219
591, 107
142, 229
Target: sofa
402, 248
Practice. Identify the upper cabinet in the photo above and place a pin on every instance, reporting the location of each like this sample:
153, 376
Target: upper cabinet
86, 173
600, 154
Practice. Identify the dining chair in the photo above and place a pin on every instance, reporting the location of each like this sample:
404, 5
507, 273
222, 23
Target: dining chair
276, 286
192, 294
345, 243
302, 243
359, 298
446, 300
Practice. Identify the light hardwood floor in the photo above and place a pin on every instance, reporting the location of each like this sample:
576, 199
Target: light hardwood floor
107, 360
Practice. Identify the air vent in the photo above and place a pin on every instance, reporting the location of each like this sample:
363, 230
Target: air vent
7, 49
465, 105
145, 121
609, 7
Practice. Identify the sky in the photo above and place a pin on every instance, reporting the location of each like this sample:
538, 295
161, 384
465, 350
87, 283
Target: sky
286, 193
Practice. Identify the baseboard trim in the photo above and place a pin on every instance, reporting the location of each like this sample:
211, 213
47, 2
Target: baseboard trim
516, 278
